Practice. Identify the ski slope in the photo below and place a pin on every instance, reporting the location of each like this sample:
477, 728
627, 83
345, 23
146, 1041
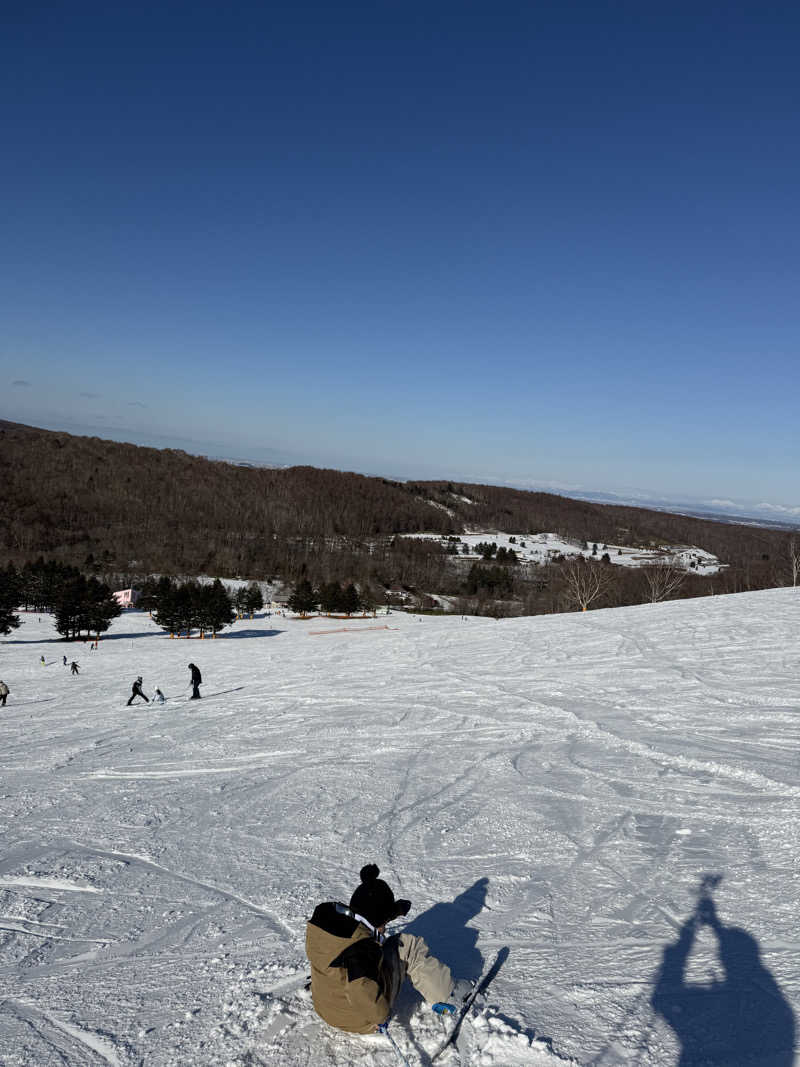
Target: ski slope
555, 786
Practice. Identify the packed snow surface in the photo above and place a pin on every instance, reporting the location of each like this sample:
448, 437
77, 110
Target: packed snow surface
550, 792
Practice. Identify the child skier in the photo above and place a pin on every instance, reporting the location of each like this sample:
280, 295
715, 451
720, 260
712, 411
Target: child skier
159, 697
356, 971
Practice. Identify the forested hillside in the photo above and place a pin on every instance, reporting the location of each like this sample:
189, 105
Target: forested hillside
126, 511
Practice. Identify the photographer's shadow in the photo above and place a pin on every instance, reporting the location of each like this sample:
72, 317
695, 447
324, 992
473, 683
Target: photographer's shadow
742, 1019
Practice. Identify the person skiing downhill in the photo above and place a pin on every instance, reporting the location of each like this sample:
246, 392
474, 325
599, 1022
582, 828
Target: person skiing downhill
4, 691
136, 691
196, 681
74, 668
357, 971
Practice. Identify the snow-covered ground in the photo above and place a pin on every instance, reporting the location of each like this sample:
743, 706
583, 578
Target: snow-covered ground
543, 547
554, 786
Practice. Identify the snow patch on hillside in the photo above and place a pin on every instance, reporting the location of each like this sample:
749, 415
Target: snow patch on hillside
544, 547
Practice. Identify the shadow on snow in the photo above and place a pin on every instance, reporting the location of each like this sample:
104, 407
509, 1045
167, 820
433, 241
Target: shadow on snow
444, 928
741, 1018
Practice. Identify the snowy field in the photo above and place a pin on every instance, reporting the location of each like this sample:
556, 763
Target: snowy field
543, 547
556, 787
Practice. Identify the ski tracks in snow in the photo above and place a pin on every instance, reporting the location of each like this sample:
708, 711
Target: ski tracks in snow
70, 1043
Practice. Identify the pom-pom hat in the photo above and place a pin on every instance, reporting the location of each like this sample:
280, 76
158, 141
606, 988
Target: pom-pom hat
374, 900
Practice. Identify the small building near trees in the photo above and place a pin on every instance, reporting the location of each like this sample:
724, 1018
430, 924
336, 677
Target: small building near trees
126, 598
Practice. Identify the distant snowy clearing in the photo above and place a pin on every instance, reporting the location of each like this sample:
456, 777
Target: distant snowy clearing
556, 786
544, 547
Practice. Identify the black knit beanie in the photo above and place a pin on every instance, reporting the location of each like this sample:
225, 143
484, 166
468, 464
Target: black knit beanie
374, 899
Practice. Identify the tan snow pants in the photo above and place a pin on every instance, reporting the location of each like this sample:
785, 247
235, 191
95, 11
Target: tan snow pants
407, 955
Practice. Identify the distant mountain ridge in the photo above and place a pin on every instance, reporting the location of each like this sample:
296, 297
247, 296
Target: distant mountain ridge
137, 509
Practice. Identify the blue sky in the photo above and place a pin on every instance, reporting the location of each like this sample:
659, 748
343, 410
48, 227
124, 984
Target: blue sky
533, 243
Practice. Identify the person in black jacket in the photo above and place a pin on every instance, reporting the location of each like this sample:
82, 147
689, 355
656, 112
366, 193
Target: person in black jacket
136, 691
196, 681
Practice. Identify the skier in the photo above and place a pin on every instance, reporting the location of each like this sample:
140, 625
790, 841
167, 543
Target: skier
356, 971
41, 660
136, 691
64, 660
74, 667
159, 697
196, 681
4, 691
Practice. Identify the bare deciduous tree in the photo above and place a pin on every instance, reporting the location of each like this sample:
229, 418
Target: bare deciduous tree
663, 579
584, 582
794, 560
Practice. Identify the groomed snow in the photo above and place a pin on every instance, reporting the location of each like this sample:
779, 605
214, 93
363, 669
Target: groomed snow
556, 786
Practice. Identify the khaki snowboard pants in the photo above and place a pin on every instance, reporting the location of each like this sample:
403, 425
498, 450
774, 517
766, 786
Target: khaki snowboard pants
405, 955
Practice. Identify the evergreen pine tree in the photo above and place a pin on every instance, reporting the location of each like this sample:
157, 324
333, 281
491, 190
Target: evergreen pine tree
330, 597
10, 592
189, 605
368, 598
70, 607
254, 599
350, 601
166, 612
240, 600
101, 607
303, 599
217, 607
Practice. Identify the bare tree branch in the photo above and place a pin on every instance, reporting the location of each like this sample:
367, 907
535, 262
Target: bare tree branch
584, 582
794, 559
663, 579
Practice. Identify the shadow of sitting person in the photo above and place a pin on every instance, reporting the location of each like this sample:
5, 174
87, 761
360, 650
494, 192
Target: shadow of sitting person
449, 938
743, 1019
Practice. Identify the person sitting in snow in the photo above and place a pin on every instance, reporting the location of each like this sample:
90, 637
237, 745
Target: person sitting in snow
159, 697
356, 971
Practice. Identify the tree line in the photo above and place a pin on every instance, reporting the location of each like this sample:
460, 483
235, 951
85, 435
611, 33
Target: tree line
119, 513
331, 598
81, 605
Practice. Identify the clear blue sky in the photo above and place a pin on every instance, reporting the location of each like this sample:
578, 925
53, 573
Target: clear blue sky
524, 242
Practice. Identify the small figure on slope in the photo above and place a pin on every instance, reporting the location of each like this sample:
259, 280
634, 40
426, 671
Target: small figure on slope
356, 971
159, 697
196, 681
4, 691
74, 667
136, 691
64, 660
